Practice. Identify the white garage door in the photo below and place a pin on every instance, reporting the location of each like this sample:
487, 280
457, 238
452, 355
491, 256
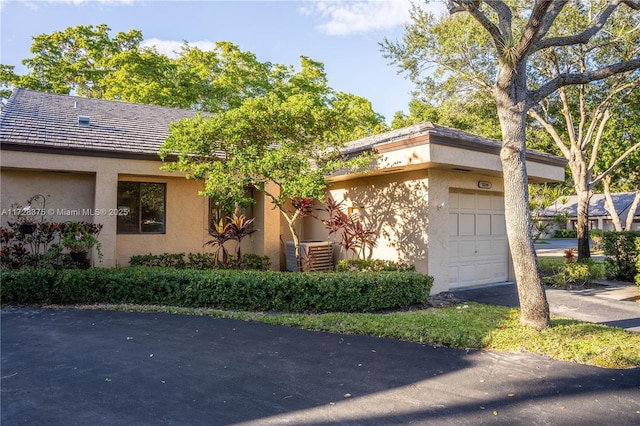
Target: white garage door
478, 245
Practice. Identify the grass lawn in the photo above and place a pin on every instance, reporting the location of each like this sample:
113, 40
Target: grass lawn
471, 325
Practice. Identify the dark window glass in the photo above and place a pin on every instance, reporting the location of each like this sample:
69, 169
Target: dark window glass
146, 205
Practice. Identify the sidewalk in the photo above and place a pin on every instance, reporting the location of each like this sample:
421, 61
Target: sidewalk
607, 304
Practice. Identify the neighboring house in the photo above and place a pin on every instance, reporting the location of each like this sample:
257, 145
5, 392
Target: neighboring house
599, 216
434, 198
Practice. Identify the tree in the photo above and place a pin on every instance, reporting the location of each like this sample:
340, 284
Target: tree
284, 143
492, 45
625, 177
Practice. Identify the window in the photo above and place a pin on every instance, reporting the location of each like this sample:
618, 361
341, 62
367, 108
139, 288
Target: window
146, 204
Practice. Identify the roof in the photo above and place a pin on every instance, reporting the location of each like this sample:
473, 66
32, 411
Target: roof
622, 202
428, 132
48, 122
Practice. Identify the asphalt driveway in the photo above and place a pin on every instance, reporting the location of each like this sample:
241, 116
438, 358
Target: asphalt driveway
88, 367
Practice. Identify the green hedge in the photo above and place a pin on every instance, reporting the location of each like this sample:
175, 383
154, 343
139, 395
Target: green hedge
222, 289
638, 262
622, 254
566, 233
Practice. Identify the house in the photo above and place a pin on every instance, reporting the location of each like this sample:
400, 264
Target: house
434, 197
599, 216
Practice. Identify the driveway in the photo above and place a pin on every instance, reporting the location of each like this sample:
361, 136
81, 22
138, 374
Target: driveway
89, 367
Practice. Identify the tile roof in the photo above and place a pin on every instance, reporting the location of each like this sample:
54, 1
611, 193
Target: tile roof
622, 202
444, 135
37, 121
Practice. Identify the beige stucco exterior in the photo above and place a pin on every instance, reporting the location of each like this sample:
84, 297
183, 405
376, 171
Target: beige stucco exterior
75, 185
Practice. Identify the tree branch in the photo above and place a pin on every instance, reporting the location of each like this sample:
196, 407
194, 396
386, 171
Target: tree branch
584, 36
568, 79
615, 163
552, 131
535, 23
472, 7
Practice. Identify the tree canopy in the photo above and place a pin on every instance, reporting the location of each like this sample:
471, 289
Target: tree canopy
284, 143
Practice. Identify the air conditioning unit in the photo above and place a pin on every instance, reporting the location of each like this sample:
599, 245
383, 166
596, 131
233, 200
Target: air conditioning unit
315, 256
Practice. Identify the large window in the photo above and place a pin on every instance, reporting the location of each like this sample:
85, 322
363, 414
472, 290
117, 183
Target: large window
146, 206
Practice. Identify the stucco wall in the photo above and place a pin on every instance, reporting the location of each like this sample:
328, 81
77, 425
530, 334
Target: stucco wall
69, 196
409, 213
78, 182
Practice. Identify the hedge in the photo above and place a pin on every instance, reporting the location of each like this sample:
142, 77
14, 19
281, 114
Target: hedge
638, 262
622, 254
221, 289
566, 233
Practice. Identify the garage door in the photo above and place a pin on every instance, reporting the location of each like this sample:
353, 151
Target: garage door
477, 239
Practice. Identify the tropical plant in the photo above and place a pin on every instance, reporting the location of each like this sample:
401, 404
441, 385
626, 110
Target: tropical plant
354, 236
220, 233
239, 228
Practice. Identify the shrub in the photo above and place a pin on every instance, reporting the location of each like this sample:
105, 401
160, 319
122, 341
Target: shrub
254, 262
172, 260
373, 265
638, 262
200, 261
566, 233
222, 289
561, 274
622, 254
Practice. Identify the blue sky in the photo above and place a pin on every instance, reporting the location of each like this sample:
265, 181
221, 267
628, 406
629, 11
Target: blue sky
344, 35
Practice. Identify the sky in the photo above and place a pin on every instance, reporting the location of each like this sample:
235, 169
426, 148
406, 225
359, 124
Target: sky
342, 34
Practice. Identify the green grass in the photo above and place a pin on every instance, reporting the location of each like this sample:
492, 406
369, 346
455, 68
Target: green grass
471, 325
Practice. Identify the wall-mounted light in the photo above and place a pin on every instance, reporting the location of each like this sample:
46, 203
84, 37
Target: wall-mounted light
484, 184
441, 206
357, 210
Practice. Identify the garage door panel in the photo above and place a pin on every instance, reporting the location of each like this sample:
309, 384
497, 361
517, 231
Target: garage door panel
483, 224
467, 224
467, 249
498, 225
484, 202
453, 224
467, 201
485, 248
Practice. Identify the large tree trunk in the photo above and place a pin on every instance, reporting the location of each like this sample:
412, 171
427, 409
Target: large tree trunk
534, 309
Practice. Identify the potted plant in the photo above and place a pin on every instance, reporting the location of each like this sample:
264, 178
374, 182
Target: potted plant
26, 214
79, 243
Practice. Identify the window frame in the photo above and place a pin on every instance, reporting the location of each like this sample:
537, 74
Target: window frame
138, 209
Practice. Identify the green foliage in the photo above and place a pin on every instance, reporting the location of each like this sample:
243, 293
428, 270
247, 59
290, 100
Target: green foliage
223, 289
284, 142
558, 272
622, 254
373, 265
638, 262
43, 246
166, 260
566, 233
200, 261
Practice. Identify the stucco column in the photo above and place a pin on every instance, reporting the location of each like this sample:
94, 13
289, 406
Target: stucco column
106, 199
269, 244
